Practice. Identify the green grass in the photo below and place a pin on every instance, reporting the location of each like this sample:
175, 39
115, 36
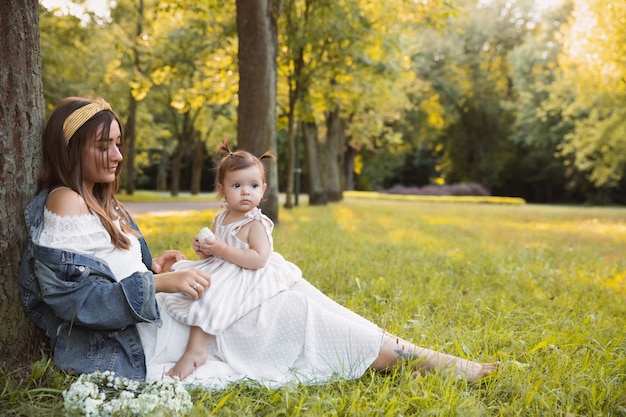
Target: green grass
540, 288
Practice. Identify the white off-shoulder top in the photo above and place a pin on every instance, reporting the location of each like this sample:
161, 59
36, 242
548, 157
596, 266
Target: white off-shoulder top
85, 234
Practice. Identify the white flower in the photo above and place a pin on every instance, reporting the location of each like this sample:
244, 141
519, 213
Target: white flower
103, 394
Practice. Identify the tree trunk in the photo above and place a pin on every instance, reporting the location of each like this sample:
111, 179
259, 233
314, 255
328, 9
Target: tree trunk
130, 131
351, 153
317, 196
256, 130
196, 163
334, 155
177, 162
21, 125
129, 145
161, 181
291, 149
185, 140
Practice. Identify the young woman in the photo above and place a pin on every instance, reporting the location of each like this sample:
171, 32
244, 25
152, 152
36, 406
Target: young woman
88, 280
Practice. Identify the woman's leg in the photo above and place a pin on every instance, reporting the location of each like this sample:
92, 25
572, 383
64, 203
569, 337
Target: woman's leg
395, 349
195, 354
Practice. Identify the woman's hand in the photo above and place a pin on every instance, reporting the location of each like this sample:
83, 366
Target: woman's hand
190, 281
164, 261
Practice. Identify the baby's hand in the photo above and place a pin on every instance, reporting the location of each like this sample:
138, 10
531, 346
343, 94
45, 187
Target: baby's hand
205, 233
210, 247
204, 237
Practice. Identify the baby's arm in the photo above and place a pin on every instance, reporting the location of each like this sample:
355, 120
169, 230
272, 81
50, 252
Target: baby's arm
254, 258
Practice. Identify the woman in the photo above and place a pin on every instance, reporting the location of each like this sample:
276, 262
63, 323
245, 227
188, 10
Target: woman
86, 275
88, 280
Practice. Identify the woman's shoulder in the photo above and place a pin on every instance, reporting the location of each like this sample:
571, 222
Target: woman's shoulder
64, 201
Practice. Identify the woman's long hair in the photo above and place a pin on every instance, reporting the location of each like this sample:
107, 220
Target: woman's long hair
63, 164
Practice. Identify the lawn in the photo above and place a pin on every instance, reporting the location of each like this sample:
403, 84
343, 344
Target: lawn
542, 289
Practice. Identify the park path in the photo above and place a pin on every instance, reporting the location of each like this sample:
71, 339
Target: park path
210, 204
139, 208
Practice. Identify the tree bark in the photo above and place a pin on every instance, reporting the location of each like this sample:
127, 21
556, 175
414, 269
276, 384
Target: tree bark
21, 125
334, 155
177, 162
129, 145
317, 195
256, 130
351, 153
196, 163
130, 131
161, 181
291, 149
183, 147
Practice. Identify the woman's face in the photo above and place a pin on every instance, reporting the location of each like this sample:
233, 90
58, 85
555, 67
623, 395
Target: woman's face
102, 157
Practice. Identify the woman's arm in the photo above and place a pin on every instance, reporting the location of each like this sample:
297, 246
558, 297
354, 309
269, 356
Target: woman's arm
190, 281
89, 298
86, 297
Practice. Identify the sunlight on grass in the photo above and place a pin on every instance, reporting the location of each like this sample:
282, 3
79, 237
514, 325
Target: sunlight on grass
540, 288
617, 283
173, 230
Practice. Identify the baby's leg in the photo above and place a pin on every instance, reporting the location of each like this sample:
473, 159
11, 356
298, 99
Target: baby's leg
195, 354
395, 349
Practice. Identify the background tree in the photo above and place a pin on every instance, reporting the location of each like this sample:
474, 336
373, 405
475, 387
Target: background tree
195, 63
348, 80
297, 65
134, 54
590, 93
63, 77
541, 173
21, 125
186, 67
474, 89
413, 92
256, 130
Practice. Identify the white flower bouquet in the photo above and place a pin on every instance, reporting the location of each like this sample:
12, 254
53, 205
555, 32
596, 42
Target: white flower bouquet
103, 394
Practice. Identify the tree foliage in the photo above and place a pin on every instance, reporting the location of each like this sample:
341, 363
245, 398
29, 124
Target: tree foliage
524, 100
590, 90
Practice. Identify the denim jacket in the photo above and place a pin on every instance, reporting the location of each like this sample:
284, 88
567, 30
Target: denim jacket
88, 315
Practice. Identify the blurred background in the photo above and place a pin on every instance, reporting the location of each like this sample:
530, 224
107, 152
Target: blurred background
517, 98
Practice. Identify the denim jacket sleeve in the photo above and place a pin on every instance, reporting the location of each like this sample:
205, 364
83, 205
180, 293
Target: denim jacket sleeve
80, 290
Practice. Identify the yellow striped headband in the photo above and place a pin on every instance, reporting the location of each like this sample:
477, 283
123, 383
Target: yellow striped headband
81, 115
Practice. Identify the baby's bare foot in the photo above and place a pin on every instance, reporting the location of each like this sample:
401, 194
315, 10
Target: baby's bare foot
187, 364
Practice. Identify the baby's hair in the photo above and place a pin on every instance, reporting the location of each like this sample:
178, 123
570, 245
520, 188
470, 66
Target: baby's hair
240, 159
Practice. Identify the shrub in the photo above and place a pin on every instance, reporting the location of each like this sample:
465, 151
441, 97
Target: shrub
471, 188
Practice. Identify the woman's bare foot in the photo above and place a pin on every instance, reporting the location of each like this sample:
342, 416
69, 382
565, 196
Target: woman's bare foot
470, 371
187, 364
474, 371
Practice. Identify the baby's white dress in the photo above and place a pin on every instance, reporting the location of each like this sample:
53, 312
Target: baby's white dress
298, 335
234, 290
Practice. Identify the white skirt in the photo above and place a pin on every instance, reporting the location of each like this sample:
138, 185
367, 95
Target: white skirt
299, 335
